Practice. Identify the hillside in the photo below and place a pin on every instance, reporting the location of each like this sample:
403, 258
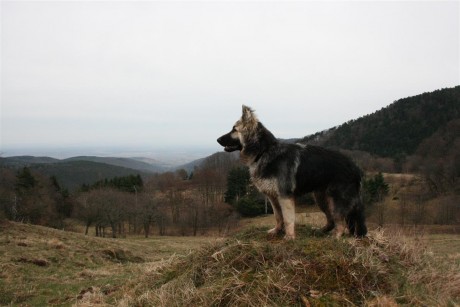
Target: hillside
189, 167
313, 270
42, 266
398, 129
21, 161
220, 161
140, 164
134, 163
71, 174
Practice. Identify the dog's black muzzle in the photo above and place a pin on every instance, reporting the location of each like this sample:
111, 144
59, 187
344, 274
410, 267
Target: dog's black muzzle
229, 143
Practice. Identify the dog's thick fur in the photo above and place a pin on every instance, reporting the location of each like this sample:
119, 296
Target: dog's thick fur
285, 171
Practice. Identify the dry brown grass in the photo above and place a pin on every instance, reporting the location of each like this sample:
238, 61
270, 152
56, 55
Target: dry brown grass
247, 269
40, 266
425, 280
250, 270
315, 219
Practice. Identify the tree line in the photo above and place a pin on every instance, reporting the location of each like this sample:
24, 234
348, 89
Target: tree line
171, 203
398, 130
209, 200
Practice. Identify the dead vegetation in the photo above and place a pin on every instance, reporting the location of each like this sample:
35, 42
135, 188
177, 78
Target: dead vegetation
41, 266
249, 270
246, 269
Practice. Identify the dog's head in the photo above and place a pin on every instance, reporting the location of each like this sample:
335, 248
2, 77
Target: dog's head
242, 130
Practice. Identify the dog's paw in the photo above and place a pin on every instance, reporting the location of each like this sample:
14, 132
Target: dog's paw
328, 228
274, 232
289, 237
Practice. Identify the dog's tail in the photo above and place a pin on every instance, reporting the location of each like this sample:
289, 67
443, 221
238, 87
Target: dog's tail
356, 219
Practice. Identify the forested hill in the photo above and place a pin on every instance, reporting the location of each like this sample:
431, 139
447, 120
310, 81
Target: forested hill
71, 173
398, 129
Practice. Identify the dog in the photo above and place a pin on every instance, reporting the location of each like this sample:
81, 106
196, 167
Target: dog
284, 171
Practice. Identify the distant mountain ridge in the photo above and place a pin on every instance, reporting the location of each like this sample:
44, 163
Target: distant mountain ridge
26, 160
131, 163
396, 130
425, 124
73, 172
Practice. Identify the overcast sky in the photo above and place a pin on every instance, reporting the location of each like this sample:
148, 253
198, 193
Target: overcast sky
161, 74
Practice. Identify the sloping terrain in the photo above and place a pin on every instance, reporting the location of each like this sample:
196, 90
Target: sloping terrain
27, 160
41, 266
73, 174
313, 270
122, 162
397, 129
21, 161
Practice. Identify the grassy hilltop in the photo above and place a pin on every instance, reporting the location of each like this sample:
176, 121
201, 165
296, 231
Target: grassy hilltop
42, 266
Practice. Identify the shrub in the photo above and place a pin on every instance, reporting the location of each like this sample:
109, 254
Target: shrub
250, 206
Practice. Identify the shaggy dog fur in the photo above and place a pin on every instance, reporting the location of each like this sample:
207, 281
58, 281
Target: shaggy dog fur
285, 171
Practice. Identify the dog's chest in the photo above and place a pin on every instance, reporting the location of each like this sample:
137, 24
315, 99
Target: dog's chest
268, 186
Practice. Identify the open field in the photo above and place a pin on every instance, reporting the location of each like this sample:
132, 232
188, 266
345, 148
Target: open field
41, 266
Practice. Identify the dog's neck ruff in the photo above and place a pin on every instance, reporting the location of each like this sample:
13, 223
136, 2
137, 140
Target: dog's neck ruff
259, 156
257, 145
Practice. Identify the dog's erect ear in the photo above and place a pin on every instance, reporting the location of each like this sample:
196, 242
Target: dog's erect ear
248, 115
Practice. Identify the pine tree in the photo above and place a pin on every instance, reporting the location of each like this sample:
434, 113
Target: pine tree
375, 188
238, 180
25, 180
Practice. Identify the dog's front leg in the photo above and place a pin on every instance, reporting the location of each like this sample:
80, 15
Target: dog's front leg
288, 208
278, 217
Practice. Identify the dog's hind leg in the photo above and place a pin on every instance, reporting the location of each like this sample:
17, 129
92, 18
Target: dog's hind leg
356, 219
278, 217
288, 208
335, 208
351, 221
321, 200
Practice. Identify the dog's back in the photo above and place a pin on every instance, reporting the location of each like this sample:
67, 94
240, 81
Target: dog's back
322, 169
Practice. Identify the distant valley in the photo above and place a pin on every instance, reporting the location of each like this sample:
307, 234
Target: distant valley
75, 171
424, 127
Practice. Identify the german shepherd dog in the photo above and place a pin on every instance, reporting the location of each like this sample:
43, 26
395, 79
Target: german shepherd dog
285, 171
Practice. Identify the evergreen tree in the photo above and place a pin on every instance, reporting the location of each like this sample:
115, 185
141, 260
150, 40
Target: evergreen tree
25, 180
375, 189
251, 204
130, 183
238, 180
242, 195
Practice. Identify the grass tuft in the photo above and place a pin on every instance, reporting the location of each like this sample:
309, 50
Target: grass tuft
314, 270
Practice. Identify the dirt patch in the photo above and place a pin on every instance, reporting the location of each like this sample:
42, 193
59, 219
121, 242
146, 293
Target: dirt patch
120, 255
37, 262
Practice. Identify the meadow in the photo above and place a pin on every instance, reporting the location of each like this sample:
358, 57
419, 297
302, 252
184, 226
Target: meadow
41, 266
